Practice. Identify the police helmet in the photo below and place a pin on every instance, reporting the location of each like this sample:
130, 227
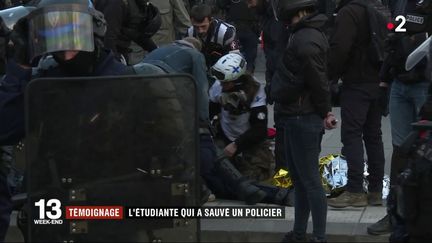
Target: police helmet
229, 67
64, 25
284, 10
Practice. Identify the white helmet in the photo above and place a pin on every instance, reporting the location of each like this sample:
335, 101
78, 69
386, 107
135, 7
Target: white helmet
229, 67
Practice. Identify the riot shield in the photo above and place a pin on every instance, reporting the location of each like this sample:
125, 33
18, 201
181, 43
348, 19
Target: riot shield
128, 141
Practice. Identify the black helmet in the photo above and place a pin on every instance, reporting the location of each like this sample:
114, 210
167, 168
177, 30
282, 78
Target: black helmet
286, 9
63, 25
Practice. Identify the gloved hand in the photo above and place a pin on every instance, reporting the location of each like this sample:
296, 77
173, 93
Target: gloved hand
384, 100
19, 38
233, 98
233, 101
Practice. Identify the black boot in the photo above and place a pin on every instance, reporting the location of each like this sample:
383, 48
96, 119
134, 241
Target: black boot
383, 226
244, 189
277, 195
398, 163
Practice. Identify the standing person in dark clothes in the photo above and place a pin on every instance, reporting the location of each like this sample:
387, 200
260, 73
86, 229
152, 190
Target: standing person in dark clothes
408, 93
275, 38
65, 59
274, 34
301, 93
361, 107
126, 23
248, 29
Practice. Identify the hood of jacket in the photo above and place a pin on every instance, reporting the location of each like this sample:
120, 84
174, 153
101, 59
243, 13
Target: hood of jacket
315, 20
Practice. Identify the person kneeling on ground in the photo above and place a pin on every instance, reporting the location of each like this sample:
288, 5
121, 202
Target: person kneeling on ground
242, 128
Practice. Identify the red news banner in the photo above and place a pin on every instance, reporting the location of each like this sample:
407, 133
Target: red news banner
120, 212
94, 212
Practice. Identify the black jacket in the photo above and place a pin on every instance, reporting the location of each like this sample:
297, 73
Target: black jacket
275, 37
306, 58
117, 16
348, 45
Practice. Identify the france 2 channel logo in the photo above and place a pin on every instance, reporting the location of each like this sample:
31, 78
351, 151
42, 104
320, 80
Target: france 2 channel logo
49, 212
402, 20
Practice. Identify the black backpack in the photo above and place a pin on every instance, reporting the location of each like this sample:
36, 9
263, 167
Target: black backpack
379, 16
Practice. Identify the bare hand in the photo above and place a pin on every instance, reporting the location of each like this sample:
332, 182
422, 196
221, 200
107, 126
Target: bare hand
230, 149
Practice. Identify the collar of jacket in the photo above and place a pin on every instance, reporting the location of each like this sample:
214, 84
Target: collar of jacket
315, 20
184, 43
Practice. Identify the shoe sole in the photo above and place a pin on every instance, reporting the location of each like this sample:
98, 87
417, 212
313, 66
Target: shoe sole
375, 204
378, 232
351, 205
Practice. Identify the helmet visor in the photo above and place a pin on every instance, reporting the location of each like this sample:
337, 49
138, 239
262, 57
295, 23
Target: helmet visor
60, 31
217, 74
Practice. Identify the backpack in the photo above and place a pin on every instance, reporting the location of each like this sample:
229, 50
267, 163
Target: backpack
379, 16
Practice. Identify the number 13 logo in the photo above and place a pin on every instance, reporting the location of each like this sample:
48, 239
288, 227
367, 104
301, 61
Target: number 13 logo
54, 204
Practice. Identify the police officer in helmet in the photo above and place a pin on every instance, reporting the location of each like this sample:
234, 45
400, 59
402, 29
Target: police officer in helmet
58, 39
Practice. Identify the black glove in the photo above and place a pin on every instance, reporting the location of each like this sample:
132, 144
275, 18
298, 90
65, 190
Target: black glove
384, 100
19, 37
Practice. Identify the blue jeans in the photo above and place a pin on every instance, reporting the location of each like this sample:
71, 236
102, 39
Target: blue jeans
405, 103
301, 144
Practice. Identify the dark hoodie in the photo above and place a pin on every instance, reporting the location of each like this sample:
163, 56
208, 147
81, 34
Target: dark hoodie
306, 58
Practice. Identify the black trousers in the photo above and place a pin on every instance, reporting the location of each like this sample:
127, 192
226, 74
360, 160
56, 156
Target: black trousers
361, 121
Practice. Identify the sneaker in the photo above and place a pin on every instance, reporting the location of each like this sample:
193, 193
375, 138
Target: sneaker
375, 198
314, 239
347, 199
292, 237
381, 227
211, 198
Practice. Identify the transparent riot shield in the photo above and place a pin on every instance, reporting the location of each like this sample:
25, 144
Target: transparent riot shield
128, 141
